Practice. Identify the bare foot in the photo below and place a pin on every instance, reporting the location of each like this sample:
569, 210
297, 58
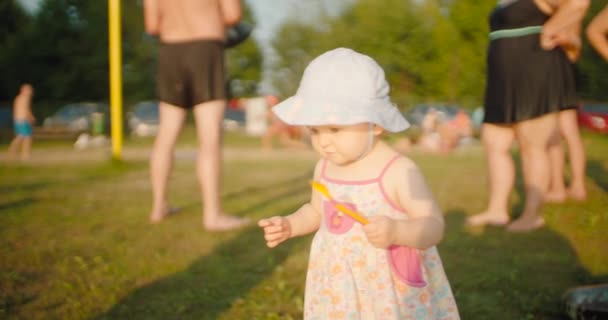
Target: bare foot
156, 217
555, 196
525, 224
225, 223
485, 218
578, 194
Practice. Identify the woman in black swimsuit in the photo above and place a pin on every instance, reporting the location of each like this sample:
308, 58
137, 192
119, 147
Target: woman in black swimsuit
529, 78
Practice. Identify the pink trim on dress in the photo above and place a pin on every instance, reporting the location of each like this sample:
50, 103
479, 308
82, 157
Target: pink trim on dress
378, 180
404, 261
340, 181
384, 194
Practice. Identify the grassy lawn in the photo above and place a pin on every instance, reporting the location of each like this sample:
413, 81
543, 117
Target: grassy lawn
75, 242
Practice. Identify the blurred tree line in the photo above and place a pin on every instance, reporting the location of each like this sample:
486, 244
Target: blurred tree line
432, 50
62, 49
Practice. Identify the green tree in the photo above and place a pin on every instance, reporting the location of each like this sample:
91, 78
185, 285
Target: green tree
411, 40
592, 69
15, 22
430, 50
470, 22
244, 63
66, 50
139, 54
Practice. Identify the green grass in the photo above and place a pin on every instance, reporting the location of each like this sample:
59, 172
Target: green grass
76, 243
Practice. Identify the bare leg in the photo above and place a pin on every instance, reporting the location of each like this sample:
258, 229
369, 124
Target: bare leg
13, 148
209, 117
497, 141
26, 148
161, 160
271, 131
576, 153
533, 137
290, 142
557, 188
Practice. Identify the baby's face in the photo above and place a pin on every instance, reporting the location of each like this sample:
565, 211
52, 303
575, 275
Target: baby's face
342, 145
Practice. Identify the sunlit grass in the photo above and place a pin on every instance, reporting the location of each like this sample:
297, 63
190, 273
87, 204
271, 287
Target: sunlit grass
76, 243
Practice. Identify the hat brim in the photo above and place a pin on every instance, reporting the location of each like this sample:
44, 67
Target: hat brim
298, 111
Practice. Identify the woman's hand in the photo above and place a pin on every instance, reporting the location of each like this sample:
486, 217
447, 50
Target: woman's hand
571, 43
380, 231
276, 230
568, 41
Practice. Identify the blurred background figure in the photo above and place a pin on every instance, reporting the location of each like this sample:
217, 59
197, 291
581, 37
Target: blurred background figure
597, 31
444, 131
568, 131
23, 120
455, 132
191, 76
289, 136
430, 140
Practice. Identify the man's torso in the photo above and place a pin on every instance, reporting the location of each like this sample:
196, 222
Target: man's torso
186, 20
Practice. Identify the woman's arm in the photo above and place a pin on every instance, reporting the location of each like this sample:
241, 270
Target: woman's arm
570, 41
597, 31
566, 14
151, 17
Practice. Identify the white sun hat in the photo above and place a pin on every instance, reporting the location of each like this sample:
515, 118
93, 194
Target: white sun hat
342, 87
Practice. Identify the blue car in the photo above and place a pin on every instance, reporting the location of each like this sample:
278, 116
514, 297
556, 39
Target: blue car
78, 117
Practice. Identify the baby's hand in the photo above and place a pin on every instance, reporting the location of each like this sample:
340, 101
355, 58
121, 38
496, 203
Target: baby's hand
276, 230
380, 231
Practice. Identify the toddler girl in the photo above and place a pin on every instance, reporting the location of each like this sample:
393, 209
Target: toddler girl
389, 267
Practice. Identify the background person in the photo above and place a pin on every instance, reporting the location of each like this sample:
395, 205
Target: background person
191, 77
23, 120
597, 31
454, 132
529, 77
289, 136
569, 131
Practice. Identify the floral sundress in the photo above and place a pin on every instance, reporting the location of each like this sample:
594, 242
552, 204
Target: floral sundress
348, 278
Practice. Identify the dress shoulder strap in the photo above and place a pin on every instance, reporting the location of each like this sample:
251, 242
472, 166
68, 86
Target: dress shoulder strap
323, 167
388, 165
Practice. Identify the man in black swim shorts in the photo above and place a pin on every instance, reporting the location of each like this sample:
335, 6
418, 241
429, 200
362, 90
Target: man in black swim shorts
191, 76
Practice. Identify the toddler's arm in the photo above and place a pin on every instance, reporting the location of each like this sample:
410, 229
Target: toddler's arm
278, 228
305, 220
406, 186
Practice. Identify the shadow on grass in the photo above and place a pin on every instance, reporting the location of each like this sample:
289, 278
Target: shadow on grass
12, 186
210, 285
17, 203
596, 171
268, 187
213, 283
495, 273
84, 174
28, 187
289, 187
